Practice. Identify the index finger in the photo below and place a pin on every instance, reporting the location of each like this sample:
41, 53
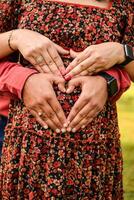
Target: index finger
80, 103
80, 58
55, 105
56, 59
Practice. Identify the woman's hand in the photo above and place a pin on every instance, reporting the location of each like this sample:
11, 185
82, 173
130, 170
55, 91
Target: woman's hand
95, 58
39, 51
39, 97
91, 101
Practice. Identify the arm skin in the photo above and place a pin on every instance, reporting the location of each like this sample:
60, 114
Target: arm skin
96, 58
130, 70
4, 44
41, 52
37, 92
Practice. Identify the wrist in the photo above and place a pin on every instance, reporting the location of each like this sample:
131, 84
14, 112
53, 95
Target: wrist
121, 53
14, 39
27, 84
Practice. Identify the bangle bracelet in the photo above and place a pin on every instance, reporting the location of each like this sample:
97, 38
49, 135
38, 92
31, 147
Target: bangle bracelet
9, 41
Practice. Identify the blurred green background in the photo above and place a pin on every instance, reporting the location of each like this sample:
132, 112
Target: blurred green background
126, 124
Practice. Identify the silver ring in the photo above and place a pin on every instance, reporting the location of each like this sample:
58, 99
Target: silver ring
39, 59
40, 114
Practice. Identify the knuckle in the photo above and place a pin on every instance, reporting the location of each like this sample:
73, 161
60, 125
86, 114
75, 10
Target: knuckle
94, 104
48, 97
81, 115
81, 66
39, 101
56, 57
76, 109
47, 43
103, 61
77, 60
86, 98
91, 50
97, 56
58, 110
50, 62
28, 53
51, 115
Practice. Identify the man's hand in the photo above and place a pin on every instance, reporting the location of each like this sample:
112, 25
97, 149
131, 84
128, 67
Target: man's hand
39, 97
91, 101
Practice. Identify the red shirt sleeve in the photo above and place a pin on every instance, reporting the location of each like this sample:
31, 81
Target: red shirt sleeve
118, 72
123, 81
12, 78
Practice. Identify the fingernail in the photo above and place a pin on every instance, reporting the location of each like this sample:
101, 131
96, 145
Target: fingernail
63, 72
64, 90
45, 127
63, 130
68, 77
57, 130
65, 125
83, 126
69, 129
74, 130
68, 91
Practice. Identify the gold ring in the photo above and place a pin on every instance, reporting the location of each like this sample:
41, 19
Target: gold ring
39, 59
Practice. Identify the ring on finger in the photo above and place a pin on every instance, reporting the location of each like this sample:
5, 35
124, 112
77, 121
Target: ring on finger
40, 113
91, 70
39, 59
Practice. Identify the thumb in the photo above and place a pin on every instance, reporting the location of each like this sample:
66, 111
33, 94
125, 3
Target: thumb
74, 54
72, 84
61, 50
61, 87
60, 82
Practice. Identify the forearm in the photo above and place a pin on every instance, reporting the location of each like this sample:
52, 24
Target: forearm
130, 70
4, 44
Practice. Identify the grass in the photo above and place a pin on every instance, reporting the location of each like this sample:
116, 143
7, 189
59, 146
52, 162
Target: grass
126, 124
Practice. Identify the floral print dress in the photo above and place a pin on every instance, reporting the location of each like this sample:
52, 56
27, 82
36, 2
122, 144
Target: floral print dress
39, 164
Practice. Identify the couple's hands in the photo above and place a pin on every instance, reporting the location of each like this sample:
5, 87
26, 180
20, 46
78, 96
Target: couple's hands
39, 97
41, 52
95, 58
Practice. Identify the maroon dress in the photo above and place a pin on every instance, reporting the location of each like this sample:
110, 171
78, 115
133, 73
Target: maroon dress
40, 164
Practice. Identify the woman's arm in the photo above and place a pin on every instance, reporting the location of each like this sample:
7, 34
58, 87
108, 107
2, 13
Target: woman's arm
5, 49
41, 52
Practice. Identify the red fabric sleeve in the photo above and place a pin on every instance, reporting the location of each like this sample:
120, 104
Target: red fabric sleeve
117, 71
12, 78
123, 81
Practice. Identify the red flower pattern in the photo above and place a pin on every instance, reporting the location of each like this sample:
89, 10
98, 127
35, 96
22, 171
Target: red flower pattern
40, 164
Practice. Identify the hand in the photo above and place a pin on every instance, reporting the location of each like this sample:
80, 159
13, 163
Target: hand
39, 51
91, 101
39, 97
95, 58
